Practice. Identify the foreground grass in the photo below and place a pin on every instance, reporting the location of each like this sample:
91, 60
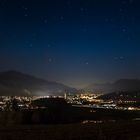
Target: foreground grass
107, 131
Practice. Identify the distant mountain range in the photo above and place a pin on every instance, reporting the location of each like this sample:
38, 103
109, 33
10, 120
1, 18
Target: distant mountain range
120, 85
16, 83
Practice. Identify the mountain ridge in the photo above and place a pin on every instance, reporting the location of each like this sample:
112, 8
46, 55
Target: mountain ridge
17, 83
119, 85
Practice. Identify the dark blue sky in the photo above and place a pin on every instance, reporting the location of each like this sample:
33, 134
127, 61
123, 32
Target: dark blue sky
76, 42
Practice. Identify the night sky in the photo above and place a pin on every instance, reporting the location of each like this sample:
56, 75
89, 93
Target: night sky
75, 42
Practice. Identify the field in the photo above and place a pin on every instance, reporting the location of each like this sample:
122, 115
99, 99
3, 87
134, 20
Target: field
121, 130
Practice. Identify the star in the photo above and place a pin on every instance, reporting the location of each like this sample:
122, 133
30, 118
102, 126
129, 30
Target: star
45, 21
119, 58
82, 9
26, 15
106, 20
25, 8
68, 2
131, 1
3, 3
61, 17
124, 30
84, 30
49, 46
50, 60
31, 45
124, 2
121, 10
34, 35
115, 58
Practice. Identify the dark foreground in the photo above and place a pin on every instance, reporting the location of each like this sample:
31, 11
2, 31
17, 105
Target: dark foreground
106, 131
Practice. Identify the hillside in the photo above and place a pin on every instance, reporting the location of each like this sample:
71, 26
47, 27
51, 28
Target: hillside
16, 83
120, 85
109, 131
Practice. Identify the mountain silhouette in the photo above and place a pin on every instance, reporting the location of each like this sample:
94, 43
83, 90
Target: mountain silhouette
16, 83
120, 85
